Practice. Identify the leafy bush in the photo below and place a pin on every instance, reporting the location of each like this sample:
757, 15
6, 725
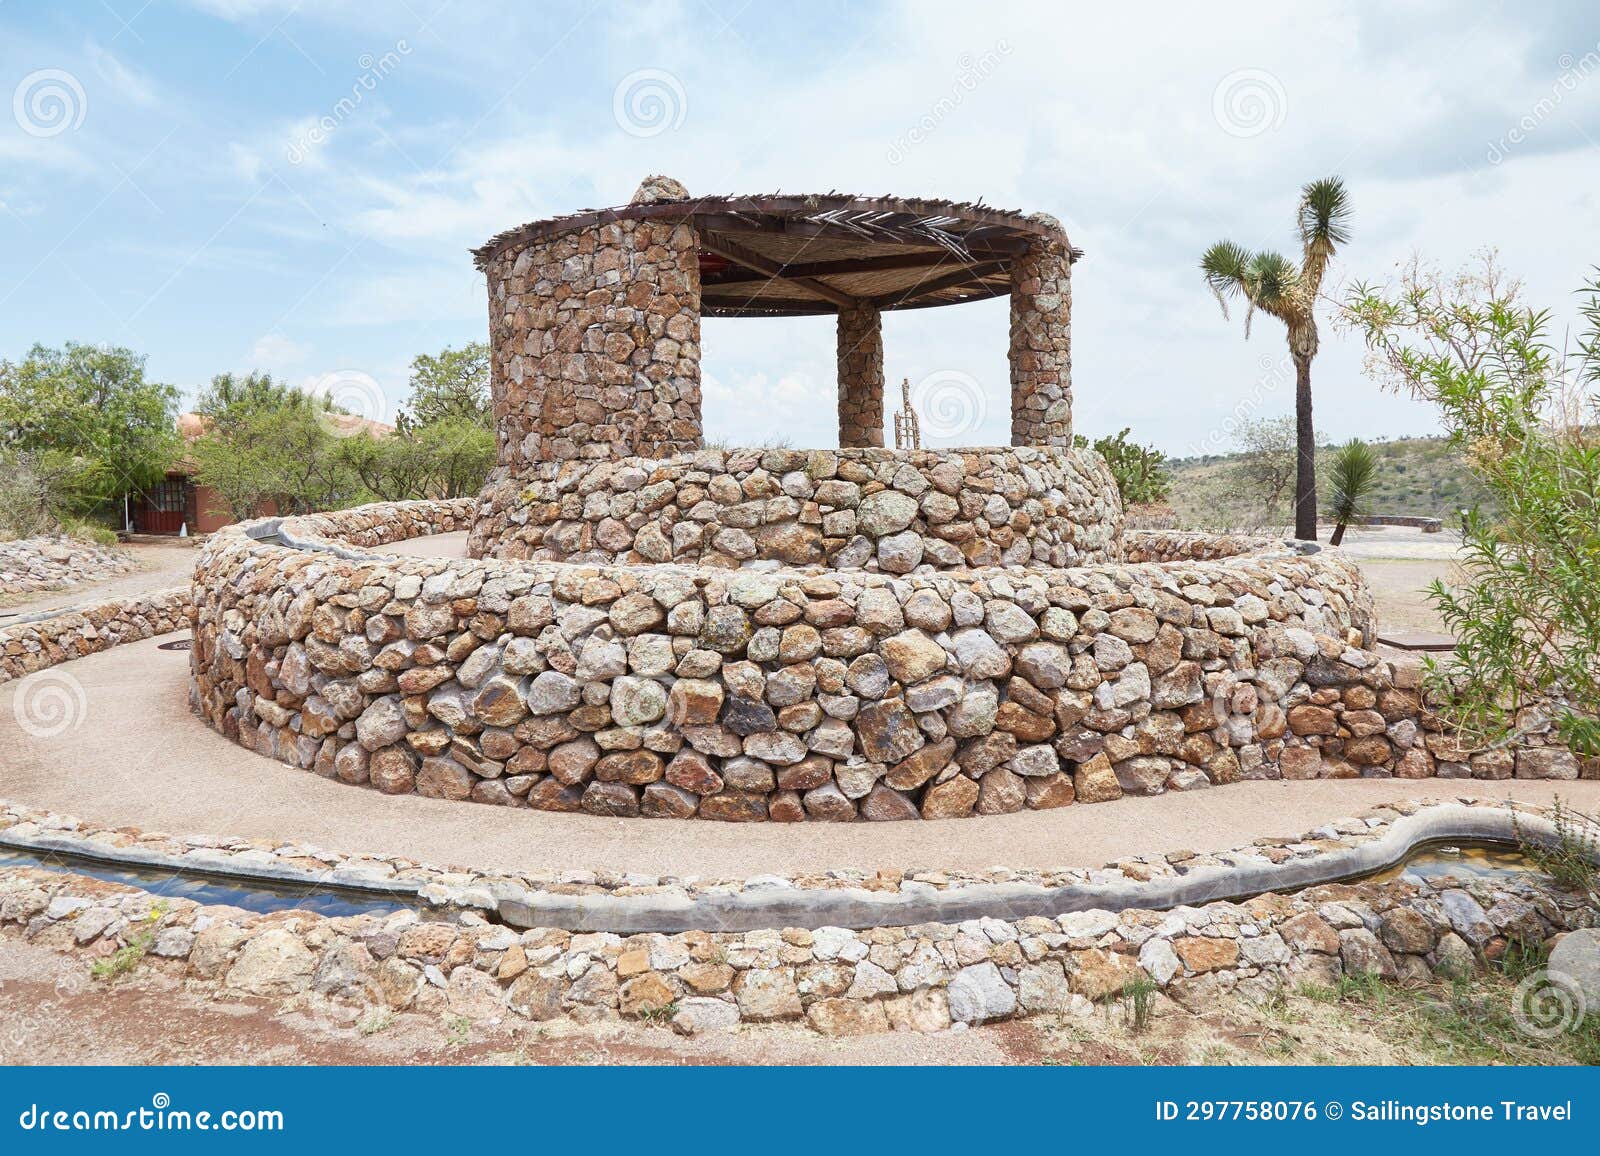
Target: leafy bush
1526, 613
1139, 470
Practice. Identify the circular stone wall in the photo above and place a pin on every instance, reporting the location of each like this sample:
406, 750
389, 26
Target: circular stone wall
893, 511
678, 691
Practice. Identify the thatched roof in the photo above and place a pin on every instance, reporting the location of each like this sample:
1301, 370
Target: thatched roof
781, 254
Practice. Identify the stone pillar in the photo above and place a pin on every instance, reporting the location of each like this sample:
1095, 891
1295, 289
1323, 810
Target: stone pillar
595, 343
860, 376
1041, 345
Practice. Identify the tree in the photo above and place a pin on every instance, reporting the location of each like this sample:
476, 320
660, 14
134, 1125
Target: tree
1139, 470
1355, 468
452, 384
444, 459
1268, 460
85, 417
1526, 610
230, 398
266, 441
1272, 283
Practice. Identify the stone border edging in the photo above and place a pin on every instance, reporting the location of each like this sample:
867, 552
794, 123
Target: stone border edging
35, 644
765, 902
924, 978
859, 909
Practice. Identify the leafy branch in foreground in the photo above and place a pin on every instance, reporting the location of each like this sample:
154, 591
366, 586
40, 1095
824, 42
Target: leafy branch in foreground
1526, 610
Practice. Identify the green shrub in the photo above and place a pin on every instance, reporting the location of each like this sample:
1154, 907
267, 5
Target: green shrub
1526, 610
1139, 470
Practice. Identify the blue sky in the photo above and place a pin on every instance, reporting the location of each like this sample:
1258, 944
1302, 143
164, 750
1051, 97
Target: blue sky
238, 184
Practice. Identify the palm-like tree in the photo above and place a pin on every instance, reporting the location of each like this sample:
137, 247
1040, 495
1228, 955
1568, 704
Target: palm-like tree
1355, 473
1272, 283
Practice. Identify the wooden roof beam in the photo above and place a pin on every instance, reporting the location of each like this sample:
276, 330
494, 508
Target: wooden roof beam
966, 275
767, 267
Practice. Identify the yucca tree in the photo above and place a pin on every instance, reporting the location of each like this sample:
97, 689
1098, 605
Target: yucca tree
1278, 287
1355, 472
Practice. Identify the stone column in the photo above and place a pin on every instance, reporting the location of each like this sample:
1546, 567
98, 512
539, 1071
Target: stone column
595, 342
1041, 345
860, 376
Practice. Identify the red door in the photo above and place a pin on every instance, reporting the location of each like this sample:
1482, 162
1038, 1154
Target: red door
163, 508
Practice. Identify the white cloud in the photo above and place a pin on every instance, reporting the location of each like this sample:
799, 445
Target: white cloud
131, 86
276, 353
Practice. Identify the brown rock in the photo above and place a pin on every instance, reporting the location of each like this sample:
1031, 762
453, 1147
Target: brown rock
910, 773
1096, 781
1098, 975
1203, 953
888, 731
1049, 791
952, 799
847, 1017
553, 795
1306, 719
444, 779
694, 702
645, 994
883, 804
616, 799
1310, 932
734, 807
634, 767
665, 801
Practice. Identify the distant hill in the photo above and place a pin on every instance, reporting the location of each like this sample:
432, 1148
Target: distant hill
1421, 476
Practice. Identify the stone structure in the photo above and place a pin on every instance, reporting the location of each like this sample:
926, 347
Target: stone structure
595, 343
860, 376
832, 980
678, 691
33, 646
885, 510
649, 629
594, 319
1041, 344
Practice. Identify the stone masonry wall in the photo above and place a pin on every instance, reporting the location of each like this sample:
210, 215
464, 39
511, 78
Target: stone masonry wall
595, 343
33, 646
888, 510
860, 336
673, 691
832, 980
1041, 346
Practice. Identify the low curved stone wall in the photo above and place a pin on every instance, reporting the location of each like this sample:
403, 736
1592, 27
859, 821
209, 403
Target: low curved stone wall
675, 691
33, 646
894, 511
838, 982
1190, 546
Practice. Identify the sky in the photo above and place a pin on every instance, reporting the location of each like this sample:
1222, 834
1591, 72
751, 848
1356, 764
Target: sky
293, 187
